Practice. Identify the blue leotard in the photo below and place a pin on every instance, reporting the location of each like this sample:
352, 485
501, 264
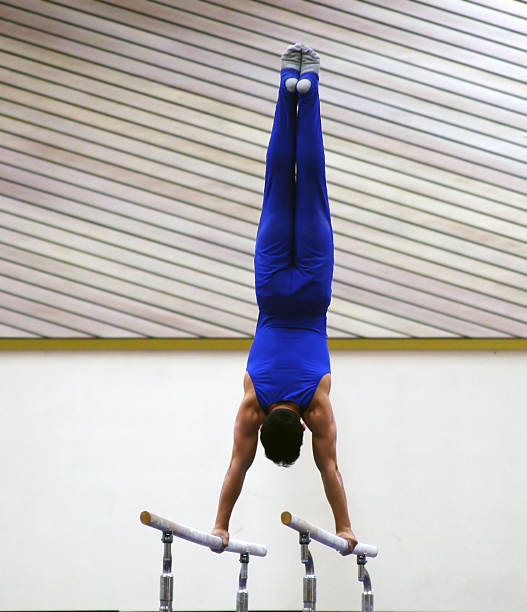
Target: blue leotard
293, 259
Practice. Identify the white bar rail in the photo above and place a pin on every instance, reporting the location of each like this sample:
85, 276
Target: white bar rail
325, 537
201, 537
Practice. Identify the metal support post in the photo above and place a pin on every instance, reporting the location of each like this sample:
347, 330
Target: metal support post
166, 589
364, 577
310, 580
242, 597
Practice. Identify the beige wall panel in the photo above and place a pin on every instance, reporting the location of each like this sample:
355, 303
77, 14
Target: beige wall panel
156, 319
461, 21
152, 289
339, 326
162, 199
463, 319
363, 268
470, 10
421, 320
35, 327
85, 301
364, 34
53, 314
410, 263
13, 332
133, 156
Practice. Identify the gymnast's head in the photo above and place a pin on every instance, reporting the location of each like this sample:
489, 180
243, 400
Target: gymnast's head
281, 436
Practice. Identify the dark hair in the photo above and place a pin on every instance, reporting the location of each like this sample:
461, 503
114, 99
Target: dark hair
281, 436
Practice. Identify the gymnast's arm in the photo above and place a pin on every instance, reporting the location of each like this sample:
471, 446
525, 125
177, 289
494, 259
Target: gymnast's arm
321, 422
246, 426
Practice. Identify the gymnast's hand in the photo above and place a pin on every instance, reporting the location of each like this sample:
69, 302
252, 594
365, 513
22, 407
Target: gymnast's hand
224, 535
348, 535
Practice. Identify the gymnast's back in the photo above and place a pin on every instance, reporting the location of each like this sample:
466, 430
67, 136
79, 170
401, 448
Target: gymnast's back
289, 354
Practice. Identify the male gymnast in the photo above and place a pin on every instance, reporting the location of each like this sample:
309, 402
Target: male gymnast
288, 370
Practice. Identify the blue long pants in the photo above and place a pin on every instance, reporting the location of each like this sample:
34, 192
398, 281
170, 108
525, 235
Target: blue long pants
293, 259
294, 246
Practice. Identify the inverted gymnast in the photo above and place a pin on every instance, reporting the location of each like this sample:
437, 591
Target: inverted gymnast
288, 375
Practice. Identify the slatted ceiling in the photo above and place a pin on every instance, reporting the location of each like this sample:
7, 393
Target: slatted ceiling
362, 33
7, 331
428, 301
414, 20
439, 238
210, 313
402, 262
134, 147
419, 312
85, 301
508, 12
480, 304
36, 325
159, 319
455, 20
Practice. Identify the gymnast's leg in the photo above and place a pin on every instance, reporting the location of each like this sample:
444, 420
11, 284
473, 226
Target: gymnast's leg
313, 232
274, 241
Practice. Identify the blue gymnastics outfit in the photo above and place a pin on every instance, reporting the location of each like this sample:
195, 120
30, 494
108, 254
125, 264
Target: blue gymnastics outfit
293, 260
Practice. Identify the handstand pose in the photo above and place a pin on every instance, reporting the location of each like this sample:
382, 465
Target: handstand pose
288, 371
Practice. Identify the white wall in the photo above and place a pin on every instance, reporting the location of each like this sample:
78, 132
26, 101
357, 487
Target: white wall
431, 446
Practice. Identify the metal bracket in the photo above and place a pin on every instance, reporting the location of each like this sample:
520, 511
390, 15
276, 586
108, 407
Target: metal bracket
364, 577
166, 586
242, 597
310, 580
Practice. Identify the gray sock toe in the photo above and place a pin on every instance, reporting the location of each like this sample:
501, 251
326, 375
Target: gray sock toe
292, 57
310, 60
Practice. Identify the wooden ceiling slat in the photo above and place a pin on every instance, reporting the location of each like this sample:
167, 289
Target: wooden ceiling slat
394, 24
508, 7
133, 147
472, 11
140, 173
466, 279
187, 284
141, 192
89, 235
6, 331
161, 320
498, 252
383, 111
87, 302
332, 143
437, 158
340, 58
417, 313
459, 17
212, 58
162, 228
366, 35
355, 327
53, 314
157, 211
163, 162
358, 269
399, 322
155, 274
36, 327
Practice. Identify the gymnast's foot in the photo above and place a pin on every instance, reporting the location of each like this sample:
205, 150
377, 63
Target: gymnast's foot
291, 59
310, 63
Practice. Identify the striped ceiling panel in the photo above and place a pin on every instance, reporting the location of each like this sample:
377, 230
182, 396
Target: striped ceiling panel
133, 136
